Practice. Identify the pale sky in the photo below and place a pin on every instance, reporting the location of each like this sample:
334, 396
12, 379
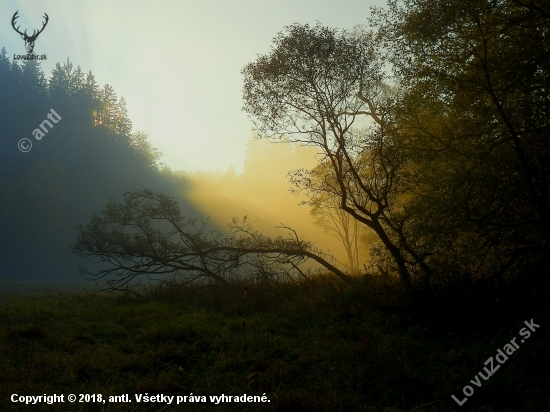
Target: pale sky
176, 62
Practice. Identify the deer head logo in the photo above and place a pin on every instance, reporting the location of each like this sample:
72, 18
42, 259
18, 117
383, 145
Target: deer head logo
29, 40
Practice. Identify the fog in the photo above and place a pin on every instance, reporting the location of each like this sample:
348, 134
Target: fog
262, 192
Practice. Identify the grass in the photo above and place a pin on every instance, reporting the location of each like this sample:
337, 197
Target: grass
312, 346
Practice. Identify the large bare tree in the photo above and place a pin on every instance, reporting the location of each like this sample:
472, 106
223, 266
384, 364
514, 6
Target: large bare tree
324, 87
147, 235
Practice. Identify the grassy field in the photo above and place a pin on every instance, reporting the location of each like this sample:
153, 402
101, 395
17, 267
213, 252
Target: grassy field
313, 346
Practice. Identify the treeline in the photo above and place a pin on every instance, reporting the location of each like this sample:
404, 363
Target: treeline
433, 130
452, 174
89, 156
72, 92
92, 155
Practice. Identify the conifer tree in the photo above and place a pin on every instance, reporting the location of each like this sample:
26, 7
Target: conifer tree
123, 125
108, 111
16, 74
5, 67
32, 79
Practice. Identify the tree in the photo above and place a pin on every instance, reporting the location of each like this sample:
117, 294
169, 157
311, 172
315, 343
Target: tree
32, 79
325, 209
446, 161
109, 109
140, 143
91, 87
5, 66
147, 235
65, 80
313, 87
122, 122
473, 118
16, 74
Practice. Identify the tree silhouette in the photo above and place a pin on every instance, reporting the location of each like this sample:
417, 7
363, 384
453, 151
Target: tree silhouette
147, 235
325, 208
73, 171
473, 118
451, 173
313, 87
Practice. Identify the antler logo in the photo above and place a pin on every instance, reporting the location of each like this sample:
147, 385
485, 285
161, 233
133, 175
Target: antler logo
29, 40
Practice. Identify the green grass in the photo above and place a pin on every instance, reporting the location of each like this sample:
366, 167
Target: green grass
315, 346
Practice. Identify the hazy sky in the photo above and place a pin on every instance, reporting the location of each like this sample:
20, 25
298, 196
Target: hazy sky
176, 62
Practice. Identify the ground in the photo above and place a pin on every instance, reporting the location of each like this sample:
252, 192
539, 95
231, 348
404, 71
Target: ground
312, 346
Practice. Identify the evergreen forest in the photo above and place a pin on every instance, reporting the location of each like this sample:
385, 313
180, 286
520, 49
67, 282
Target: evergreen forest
387, 247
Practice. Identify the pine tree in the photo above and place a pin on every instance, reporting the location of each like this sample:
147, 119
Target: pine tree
65, 80
91, 87
140, 143
32, 79
5, 67
58, 83
76, 81
90, 98
109, 110
16, 74
123, 125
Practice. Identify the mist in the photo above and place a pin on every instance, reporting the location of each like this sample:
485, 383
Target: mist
262, 193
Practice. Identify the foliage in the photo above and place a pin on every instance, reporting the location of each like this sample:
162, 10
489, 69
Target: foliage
139, 141
71, 90
319, 345
451, 173
313, 87
473, 121
148, 235
72, 172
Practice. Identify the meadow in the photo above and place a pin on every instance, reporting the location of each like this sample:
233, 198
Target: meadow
317, 345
